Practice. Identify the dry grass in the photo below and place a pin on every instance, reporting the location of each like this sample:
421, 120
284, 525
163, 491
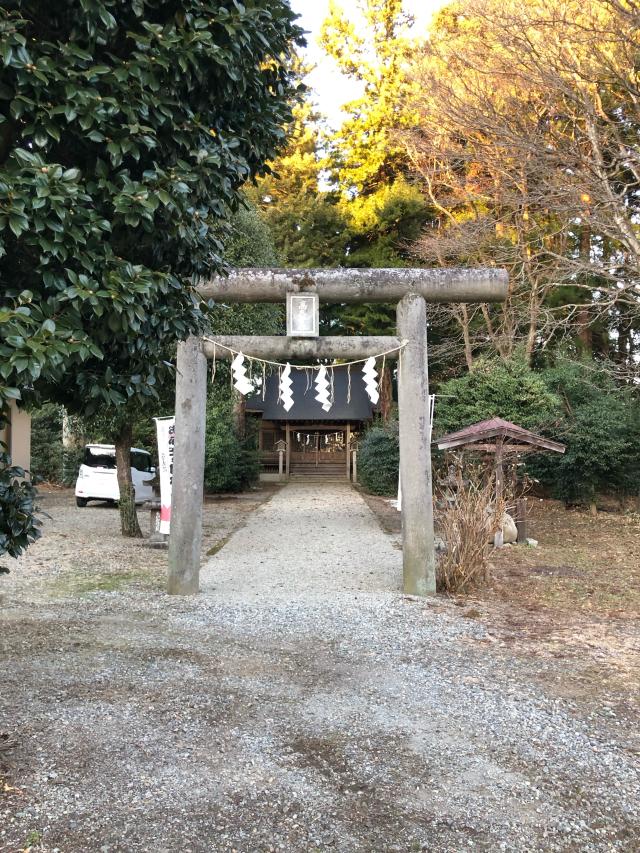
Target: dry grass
582, 565
576, 597
466, 523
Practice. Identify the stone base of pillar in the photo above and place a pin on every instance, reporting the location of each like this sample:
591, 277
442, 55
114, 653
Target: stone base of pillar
156, 539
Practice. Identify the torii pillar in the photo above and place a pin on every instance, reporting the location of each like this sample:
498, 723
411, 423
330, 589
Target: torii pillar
188, 469
418, 546
411, 289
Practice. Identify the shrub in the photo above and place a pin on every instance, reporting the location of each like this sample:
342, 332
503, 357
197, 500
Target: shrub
379, 460
19, 526
509, 390
71, 461
51, 462
578, 403
601, 430
231, 463
46, 444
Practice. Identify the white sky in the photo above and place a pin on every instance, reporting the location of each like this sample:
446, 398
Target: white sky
331, 88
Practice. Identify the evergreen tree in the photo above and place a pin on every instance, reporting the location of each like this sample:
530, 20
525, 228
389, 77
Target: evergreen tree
127, 130
308, 226
374, 52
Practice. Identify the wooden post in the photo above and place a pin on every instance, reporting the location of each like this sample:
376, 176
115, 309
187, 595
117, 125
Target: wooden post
355, 467
498, 538
280, 463
418, 551
348, 446
188, 469
521, 519
288, 450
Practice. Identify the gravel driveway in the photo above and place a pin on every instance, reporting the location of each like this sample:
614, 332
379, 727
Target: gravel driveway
299, 704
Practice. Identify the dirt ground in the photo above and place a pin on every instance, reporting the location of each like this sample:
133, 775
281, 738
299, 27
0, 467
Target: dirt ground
354, 721
573, 599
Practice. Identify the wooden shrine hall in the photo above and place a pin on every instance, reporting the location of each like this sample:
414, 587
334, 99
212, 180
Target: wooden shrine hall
318, 444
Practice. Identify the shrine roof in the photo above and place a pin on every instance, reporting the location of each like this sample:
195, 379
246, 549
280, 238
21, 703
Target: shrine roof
488, 433
305, 407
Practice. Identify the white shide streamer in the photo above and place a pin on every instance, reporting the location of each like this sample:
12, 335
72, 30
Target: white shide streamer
323, 390
286, 395
239, 372
370, 376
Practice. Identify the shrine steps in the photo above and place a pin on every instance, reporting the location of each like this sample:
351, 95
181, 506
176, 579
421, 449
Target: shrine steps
322, 472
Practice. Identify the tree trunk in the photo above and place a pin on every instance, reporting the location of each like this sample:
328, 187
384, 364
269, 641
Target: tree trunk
386, 394
73, 440
534, 315
468, 352
585, 331
239, 415
128, 516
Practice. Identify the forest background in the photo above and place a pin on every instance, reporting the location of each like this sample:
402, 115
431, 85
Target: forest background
504, 135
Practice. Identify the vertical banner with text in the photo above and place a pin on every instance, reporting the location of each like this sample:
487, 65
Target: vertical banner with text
166, 430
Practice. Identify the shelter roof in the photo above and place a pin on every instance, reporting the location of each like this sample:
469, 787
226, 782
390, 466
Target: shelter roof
347, 406
486, 435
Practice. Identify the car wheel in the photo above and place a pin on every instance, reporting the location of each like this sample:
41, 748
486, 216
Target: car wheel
81, 501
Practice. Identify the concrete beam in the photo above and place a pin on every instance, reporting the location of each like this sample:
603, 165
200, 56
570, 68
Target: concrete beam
418, 545
359, 285
188, 469
276, 348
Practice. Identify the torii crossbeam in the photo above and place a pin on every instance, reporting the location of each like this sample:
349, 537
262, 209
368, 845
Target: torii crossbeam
412, 289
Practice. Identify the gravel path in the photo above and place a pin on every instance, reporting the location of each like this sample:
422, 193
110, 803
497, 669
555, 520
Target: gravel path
349, 719
307, 541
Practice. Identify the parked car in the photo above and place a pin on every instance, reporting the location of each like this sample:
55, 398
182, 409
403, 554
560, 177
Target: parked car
97, 478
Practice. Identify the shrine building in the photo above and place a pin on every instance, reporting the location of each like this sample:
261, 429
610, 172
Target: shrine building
316, 443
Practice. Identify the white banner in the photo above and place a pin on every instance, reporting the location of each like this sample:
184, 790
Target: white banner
166, 429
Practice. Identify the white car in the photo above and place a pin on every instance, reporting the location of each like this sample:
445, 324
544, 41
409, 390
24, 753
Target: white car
97, 478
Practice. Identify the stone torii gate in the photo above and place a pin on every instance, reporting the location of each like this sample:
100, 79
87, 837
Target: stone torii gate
411, 289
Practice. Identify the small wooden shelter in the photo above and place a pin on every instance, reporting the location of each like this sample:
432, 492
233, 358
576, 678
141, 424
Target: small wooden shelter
499, 437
